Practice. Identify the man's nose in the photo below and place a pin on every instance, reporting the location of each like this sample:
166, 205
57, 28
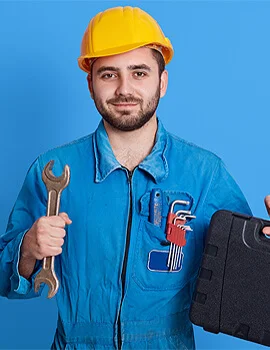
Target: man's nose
124, 86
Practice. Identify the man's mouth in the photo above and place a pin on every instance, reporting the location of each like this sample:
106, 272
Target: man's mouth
125, 104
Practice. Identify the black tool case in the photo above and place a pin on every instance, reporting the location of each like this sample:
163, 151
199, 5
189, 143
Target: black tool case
232, 294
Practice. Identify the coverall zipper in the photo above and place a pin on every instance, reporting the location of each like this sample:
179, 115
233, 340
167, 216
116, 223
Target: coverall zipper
124, 267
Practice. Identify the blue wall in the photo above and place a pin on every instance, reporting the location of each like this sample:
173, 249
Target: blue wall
218, 98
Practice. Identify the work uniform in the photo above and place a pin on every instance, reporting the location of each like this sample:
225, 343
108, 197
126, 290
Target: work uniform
113, 291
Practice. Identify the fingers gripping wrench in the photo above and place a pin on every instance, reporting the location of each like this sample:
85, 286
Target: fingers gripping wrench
55, 186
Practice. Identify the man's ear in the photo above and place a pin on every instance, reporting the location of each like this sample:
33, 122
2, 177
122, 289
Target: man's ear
163, 83
90, 86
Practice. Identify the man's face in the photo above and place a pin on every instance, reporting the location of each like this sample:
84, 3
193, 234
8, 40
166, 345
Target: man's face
126, 88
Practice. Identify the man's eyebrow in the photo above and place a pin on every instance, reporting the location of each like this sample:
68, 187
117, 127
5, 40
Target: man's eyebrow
139, 66
106, 68
116, 69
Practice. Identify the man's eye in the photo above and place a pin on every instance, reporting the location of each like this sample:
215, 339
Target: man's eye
140, 74
108, 76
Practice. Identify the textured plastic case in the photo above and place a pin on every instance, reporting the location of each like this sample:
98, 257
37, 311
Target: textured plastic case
232, 294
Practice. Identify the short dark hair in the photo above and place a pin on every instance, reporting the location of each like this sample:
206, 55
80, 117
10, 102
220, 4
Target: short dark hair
160, 61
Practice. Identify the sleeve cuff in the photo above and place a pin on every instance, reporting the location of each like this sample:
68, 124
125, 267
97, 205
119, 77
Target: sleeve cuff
19, 284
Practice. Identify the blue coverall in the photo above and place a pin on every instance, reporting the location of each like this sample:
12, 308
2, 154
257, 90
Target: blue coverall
108, 295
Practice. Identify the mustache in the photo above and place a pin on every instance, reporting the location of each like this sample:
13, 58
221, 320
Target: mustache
122, 99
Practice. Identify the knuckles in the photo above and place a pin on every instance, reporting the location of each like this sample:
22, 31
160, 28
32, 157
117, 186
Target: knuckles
42, 221
42, 237
46, 221
63, 233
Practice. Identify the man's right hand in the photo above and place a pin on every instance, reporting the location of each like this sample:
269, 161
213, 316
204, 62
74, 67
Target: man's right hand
45, 238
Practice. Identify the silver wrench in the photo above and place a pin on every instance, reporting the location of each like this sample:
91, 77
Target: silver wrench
55, 186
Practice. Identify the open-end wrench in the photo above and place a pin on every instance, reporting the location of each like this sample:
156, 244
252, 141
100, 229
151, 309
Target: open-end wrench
55, 186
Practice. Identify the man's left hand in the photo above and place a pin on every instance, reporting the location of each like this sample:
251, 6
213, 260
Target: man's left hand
266, 230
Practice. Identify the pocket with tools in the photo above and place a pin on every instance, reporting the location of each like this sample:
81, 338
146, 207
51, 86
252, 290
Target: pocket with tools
166, 244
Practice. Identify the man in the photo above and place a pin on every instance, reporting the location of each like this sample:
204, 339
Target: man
113, 293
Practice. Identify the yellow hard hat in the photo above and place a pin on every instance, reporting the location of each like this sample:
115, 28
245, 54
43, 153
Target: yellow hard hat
121, 29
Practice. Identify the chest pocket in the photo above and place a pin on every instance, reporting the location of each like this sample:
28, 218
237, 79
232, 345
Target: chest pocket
152, 249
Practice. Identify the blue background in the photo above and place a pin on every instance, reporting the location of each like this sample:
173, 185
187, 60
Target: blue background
218, 98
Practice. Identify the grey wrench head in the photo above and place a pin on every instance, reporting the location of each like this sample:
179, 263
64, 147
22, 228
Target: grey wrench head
48, 277
55, 182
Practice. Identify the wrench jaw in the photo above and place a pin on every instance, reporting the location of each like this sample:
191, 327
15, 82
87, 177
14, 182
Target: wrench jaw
49, 178
51, 281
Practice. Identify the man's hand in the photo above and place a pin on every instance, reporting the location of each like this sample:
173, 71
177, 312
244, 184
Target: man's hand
266, 230
46, 237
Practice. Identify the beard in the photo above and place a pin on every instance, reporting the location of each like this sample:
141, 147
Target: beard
127, 120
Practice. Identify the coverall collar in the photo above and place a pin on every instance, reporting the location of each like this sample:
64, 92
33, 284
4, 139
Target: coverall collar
155, 163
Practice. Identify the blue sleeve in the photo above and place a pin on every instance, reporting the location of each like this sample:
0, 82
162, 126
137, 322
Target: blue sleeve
30, 205
224, 193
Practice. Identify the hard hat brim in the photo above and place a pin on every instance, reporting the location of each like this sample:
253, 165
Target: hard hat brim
83, 61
